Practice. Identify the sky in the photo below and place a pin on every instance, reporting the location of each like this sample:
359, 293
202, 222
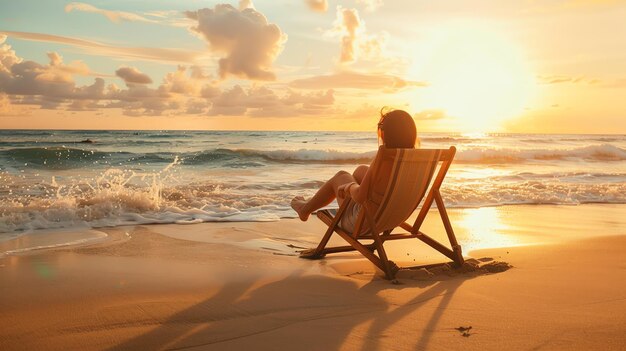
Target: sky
522, 66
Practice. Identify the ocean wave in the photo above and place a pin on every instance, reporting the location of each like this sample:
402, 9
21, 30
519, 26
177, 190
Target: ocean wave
63, 157
536, 192
122, 197
309, 155
577, 177
603, 152
166, 135
279, 156
66, 157
52, 157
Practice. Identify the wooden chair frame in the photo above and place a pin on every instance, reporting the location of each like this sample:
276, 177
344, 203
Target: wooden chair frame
412, 231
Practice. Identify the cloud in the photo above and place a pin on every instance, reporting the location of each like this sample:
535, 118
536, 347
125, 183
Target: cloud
232, 102
96, 48
318, 5
359, 45
264, 102
113, 16
59, 71
50, 84
30, 83
169, 18
188, 81
131, 75
558, 79
9, 109
355, 80
371, 5
4, 102
348, 22
187, 90
7, 55
322, 98
248, 42
429, 115
245, 4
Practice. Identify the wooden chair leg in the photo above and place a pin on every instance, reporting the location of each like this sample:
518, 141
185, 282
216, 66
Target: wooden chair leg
318, 252
390, 268
456, 248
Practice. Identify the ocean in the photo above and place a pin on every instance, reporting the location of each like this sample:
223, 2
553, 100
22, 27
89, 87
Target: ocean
92, 179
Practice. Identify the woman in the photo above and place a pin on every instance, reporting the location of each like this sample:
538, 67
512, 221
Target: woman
396, 129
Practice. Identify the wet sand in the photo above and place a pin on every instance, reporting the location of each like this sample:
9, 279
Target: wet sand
233, 286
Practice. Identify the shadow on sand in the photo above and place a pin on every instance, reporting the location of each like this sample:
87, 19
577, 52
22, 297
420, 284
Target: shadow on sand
304, 312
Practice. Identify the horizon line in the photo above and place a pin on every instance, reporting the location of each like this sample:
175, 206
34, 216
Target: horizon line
292, 130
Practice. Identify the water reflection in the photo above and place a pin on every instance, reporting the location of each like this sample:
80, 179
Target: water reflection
485, 227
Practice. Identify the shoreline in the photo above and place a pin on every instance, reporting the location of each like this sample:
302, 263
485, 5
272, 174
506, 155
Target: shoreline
239, 286
492, 219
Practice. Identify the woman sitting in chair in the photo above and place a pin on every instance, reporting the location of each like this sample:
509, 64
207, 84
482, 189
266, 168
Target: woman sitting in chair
396, 129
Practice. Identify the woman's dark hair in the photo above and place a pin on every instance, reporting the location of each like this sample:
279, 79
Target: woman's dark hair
397, 129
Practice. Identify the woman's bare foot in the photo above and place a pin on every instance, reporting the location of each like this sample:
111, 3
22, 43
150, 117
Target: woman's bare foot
297, 203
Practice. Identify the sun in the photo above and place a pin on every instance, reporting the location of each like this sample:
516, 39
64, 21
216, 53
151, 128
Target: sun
478, 77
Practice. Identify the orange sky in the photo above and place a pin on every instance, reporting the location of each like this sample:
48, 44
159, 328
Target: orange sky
477, 66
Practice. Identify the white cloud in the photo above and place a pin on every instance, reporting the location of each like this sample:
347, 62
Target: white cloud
318, 5
244, 4
187, 81
559, 79
360, 47
113, 16
50, 84
96, 48
264, 102
7, 55
57, 70
348, 23
355, 80
186, 90
371, 5
248, 42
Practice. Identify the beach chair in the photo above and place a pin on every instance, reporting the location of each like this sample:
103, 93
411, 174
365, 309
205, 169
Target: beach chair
409, 183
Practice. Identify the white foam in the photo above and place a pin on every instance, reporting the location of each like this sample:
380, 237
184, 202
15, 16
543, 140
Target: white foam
118, 196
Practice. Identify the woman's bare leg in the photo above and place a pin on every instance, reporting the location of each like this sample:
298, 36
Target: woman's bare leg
359, 173
324, 196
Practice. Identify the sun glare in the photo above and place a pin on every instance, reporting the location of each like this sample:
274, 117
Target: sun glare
478, 77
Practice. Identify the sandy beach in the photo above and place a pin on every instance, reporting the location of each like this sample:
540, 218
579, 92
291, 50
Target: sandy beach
218, 286
157, 157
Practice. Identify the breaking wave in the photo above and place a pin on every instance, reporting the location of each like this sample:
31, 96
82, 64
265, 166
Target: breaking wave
121, 197
65, 157
603, 152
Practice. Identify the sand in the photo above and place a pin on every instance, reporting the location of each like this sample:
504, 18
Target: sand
238, 286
